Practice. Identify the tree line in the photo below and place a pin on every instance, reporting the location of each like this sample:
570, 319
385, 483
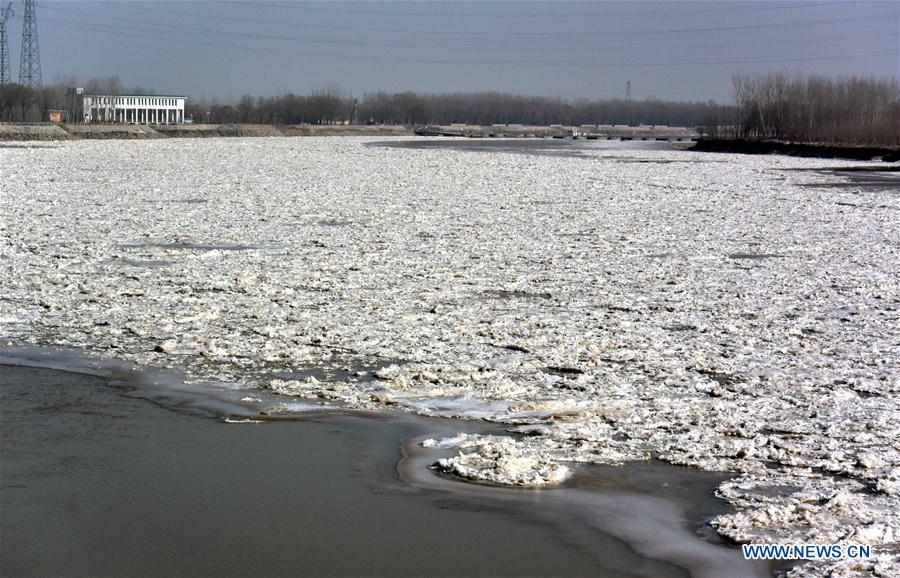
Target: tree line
779, 106
19, 103
333, 106
850, 110
483, 108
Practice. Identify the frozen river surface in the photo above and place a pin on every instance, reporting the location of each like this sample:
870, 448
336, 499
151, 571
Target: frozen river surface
721, 311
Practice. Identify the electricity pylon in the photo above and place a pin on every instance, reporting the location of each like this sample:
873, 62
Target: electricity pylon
5, 75
30, 65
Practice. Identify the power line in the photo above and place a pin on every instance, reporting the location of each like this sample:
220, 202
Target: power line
519, 14
618, 33
142, 25
439, 31
486, 62
156, 28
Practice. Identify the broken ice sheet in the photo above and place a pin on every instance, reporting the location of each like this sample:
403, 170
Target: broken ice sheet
784, 368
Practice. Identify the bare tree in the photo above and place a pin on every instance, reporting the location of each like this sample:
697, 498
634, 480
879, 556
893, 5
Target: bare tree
849, 110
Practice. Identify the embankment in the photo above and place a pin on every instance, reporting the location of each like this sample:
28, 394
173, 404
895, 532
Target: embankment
216, 130
110, 131
589, 131
49, 132
14, 132
859, 153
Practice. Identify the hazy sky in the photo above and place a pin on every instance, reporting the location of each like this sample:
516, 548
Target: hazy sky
671, 50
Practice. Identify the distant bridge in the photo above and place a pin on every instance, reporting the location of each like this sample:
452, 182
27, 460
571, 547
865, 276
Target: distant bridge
590, 132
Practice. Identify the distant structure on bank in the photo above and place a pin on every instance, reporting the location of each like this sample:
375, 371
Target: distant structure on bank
30, 65
628, 91
125, 108
5, 76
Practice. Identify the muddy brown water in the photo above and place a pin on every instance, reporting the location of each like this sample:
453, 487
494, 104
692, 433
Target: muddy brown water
100, 478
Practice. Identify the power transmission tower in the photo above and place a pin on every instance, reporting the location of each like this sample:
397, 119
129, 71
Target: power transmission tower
628, 90
30, 65
5, 75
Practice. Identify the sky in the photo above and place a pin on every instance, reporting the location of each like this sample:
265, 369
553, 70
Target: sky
671, 50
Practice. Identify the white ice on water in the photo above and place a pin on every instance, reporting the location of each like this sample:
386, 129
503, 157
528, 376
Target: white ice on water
712, 311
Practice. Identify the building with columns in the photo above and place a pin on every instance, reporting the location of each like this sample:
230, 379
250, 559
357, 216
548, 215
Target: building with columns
127, 108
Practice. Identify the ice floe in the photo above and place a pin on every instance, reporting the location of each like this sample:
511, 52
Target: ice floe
725, 315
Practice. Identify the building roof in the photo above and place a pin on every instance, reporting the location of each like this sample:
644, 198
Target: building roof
136, 95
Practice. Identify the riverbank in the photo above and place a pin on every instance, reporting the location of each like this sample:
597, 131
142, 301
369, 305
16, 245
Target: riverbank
48, 131
812, 150
54, 132
687, 137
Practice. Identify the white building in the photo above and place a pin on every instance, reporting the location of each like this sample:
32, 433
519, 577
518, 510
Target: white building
128, 108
